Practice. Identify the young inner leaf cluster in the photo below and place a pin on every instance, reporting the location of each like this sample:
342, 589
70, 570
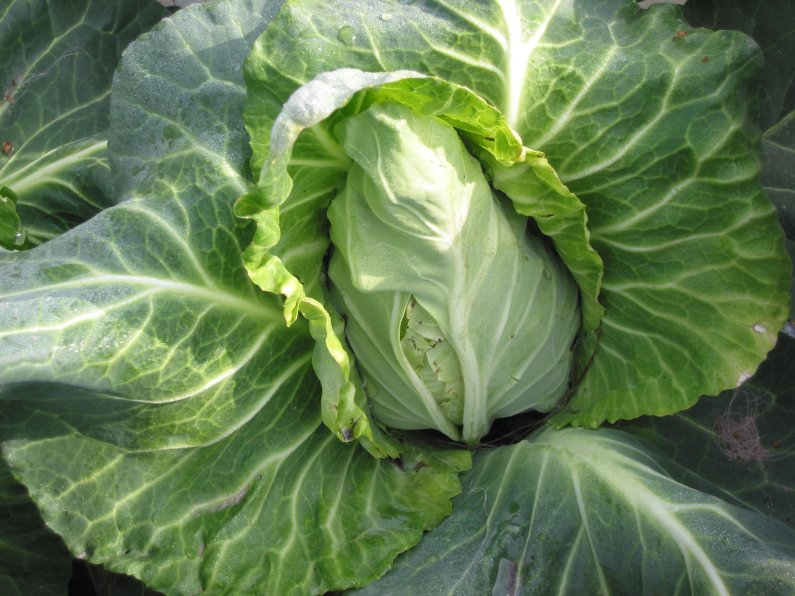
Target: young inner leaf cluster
455, 316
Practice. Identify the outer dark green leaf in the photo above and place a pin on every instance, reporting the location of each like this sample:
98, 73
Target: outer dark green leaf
107, 583
165, 421
33, 560
778, 176
57, 60
743, 442
771, 23
592, 512
654, 139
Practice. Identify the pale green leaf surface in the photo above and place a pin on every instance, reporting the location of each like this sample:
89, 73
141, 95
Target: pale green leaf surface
537, 192
165, 420
649, 127
56, 65
33, 560
348, 91
578, 511
418, 218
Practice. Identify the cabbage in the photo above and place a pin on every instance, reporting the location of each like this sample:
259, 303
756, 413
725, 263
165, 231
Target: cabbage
457, 307
164, 417
455, 314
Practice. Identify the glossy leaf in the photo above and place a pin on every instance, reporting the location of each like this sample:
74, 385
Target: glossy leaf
578, 511
13, 235
165, 420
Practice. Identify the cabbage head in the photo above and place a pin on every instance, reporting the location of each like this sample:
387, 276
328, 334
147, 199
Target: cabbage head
455, 314
440, 304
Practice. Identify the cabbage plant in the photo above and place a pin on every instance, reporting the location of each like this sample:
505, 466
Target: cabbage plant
326, 296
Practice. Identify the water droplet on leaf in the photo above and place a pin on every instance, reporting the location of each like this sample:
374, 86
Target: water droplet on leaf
347, 35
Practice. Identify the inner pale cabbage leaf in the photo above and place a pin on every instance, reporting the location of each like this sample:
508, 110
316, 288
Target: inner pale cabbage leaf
455, 315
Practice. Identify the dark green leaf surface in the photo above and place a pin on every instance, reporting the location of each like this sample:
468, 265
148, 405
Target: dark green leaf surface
164, 419
578, 511
743, 442
655, 139
778, 176
107, 583
772, 25
33, 560
56, 65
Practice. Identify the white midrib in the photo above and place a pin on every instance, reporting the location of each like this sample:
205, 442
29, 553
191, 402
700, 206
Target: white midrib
475, 420
152, 285
518, 52
22, 180
649, 503
614, 470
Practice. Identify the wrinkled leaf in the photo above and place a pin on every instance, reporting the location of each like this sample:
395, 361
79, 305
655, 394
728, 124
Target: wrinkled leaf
577, 511
771, 24
165, 420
